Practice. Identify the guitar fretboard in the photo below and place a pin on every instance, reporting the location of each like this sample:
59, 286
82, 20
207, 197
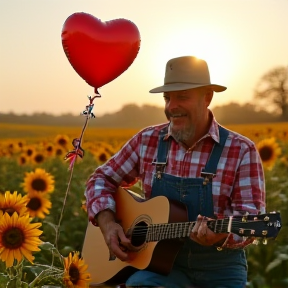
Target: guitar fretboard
157, 232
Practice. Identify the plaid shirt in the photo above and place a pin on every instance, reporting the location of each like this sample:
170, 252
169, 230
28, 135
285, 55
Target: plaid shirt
238, 186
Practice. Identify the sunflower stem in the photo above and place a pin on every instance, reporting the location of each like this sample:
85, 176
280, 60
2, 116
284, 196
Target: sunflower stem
15, 275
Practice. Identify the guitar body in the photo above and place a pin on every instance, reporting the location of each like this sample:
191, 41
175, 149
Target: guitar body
156, 256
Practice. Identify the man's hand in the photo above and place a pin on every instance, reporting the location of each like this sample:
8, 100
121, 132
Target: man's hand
114, 235
203, 235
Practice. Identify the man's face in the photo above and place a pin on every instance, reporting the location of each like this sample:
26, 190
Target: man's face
185, 110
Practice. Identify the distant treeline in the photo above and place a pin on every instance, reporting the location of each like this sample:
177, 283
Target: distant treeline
133, 116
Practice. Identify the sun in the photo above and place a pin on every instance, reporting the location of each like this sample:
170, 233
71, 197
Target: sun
211, 45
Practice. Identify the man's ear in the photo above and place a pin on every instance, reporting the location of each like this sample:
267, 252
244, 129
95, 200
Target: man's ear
208, 96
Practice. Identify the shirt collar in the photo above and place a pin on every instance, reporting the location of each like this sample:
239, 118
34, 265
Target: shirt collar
214, 129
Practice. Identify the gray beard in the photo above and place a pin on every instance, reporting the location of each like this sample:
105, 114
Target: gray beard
183, 135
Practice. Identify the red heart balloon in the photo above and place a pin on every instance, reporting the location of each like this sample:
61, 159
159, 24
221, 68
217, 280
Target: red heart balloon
99, 51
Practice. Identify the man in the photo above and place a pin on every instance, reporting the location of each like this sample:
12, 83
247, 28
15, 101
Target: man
213, 171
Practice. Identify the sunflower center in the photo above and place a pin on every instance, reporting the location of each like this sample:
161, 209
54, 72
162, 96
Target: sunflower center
74, 274
62, 142
34, 204
29, 152
103, 157
266, 153
13, 238
39, 158
49, 149
59, 152
39, 185
9, 210
23, 160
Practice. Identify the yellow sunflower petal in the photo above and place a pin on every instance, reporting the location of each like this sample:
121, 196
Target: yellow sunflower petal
27, 254
7, 257
17, 254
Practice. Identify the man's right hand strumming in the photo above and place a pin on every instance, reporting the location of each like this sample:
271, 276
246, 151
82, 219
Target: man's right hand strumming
114, 235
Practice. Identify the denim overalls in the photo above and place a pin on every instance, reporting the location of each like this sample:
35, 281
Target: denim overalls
195, 265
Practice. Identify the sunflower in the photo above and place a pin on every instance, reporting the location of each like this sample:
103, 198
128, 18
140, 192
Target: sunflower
269, 151
284, 161
11, 203
29, 150
60, 151
101, 155
38, 204
18, 238
12, 147
83, 205
23, 159
40, 180
49, 149
75, 275
62, 140
38, 158
20, 144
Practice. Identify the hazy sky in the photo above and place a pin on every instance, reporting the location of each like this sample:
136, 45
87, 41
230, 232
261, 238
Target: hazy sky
240, 39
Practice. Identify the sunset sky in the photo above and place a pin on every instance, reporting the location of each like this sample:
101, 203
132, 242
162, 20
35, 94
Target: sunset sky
240, 39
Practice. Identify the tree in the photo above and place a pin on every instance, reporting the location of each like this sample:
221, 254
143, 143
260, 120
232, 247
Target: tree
272, 89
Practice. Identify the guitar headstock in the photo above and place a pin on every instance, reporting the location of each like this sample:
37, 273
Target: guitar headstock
260, 226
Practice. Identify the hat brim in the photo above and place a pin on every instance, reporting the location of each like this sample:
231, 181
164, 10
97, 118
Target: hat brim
185, 86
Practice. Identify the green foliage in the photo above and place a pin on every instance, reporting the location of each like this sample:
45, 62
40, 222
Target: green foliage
48, 267
74, 221
48, 263
268, 264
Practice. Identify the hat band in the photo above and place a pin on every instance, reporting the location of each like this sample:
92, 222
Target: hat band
178, 82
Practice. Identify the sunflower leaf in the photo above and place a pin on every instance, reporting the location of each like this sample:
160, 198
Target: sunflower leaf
3, 280
55, 227
47, 246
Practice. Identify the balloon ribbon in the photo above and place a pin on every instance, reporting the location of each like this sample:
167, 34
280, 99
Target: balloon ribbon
78, 151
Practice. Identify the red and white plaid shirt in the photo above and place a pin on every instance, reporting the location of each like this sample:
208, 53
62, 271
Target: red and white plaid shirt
238, 187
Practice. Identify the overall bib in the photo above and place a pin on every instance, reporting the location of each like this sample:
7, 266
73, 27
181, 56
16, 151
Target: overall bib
195, 265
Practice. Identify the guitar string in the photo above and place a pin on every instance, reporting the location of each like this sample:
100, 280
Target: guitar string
144, 230
180, 227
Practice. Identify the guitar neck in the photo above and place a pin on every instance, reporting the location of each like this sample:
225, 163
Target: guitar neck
157, 232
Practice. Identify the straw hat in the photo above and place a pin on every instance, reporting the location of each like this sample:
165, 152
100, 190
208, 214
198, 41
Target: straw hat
184, 73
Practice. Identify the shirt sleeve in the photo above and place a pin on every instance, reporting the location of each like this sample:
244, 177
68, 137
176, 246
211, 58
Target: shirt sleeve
248, 194
121, 169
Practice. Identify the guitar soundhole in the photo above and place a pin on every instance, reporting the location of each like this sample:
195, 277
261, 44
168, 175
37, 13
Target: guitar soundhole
138, 236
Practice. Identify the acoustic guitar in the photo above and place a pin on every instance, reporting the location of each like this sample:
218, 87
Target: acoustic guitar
159, 226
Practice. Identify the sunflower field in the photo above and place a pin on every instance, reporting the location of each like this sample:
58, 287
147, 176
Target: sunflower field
44, 201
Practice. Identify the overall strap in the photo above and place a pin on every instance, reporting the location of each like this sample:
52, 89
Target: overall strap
162, 152
211, 166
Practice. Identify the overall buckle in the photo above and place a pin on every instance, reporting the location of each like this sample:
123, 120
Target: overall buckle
207, 177
159, 168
